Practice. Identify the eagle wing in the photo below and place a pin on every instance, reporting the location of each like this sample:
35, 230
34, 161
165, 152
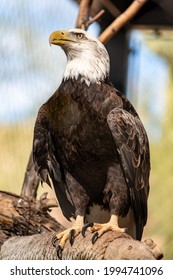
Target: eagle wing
46, 163
133, 150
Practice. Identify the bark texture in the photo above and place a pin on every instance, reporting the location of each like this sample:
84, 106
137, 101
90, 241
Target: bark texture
26, 232
111, 246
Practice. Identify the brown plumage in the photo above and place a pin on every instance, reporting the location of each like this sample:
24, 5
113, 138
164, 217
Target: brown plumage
90, 141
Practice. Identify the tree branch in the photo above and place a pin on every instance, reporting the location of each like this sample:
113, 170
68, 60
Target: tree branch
21, 216
95, 18
31, 180
83, 14
111, 8
45, 203
83, 20
121, 20
110, 246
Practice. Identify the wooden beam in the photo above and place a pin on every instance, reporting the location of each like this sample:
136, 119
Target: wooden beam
111, 8
83, 14
121, 20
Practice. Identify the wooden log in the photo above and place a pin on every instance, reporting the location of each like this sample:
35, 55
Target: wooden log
26, 232
110, 246
21, 216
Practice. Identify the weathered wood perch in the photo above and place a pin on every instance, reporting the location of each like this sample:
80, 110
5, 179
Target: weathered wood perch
21, 216
111, 246
26, 232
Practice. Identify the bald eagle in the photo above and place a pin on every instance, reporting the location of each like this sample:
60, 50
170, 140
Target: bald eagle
90, 141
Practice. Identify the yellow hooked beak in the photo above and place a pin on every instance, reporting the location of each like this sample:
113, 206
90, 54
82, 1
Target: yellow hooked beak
60, 37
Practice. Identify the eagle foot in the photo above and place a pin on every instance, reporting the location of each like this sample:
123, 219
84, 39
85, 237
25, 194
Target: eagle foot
100, 229
68, 234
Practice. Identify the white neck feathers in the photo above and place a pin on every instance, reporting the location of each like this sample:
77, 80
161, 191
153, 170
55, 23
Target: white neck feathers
91, 64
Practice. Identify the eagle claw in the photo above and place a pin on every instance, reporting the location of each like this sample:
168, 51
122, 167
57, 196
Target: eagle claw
59, 252
85, 227
58, 248
95, 237
54, 240
71, 236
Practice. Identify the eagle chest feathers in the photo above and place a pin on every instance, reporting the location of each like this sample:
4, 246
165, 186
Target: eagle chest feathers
79, 121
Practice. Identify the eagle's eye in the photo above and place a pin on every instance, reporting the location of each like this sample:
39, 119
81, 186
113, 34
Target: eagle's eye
79, 35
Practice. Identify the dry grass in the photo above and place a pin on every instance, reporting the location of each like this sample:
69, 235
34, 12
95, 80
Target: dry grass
15, 145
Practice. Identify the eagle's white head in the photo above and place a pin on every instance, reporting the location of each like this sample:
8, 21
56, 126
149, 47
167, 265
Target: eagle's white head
86, 56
